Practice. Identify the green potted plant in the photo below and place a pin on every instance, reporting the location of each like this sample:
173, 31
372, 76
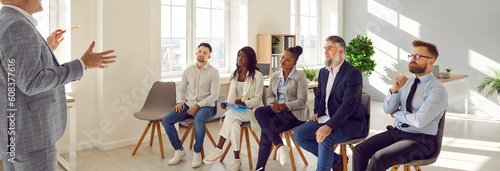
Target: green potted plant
359, 52
448, 70
495, 84
275, 43
311, 74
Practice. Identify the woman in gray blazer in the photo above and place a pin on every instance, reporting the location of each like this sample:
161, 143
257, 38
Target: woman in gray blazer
287, 96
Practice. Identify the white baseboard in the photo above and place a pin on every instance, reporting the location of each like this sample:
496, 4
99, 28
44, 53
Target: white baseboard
108, 146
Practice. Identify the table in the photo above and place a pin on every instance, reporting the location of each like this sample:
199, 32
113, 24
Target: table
457, 87
71, 166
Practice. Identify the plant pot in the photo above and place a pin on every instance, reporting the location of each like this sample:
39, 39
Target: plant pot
273, 50
448, 74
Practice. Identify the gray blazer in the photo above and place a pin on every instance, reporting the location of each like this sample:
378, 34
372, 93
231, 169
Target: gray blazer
40, 100
295, 94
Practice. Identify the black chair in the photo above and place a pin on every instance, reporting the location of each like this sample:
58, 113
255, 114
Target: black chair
417, 163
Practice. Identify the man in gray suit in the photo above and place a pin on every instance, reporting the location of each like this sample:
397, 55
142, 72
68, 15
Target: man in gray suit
32, 98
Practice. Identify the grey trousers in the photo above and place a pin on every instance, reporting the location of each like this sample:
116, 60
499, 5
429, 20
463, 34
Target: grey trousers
390, 148
40, 160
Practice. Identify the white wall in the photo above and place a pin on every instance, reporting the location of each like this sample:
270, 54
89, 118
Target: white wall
465, 32
106, 99
267, 17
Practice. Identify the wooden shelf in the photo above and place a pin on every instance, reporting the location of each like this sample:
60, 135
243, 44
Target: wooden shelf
264, 47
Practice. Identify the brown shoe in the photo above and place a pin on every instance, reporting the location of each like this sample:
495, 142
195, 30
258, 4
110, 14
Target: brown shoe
340, 167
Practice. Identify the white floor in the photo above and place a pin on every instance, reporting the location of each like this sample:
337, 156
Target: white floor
469, 144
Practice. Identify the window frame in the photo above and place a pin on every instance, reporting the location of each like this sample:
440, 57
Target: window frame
297, 29
191, 37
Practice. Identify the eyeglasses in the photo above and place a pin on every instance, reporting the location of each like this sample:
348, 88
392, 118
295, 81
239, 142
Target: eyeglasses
417, 57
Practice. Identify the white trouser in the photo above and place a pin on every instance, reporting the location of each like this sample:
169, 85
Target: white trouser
231, 126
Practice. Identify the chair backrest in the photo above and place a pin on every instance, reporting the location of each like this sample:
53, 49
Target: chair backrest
439, 137
439, 141
365, 100
161, 97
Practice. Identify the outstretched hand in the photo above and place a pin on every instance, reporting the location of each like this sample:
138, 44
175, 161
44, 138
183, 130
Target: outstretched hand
92, 59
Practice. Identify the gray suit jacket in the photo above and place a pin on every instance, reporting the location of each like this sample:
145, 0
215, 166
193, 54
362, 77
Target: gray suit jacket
40, 100
295, 94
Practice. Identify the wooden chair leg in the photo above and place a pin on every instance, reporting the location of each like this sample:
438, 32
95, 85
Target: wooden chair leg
142, 138
299, 150
343, 153
242, 133
225, 151
152, 134
407, 168
210, 136
202, 152
272, 148
186, 133
160, 140
417, 168
255, 137
351, 146
192, 138
292, 160
250, 164
395, 168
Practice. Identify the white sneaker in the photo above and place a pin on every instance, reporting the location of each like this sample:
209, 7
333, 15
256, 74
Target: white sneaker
236, 165
178, 155
283, 154
196, 160
213, 156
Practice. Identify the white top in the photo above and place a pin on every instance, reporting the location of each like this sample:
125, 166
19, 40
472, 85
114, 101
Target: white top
332, 73
239, 88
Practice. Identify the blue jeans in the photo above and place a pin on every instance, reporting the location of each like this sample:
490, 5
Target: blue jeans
305, 137
200, 118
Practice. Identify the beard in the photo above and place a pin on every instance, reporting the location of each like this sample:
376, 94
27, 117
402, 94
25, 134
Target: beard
416, 69
200, 59
331, 61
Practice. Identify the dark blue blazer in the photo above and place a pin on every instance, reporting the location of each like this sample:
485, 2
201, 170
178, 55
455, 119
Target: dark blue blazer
344, 103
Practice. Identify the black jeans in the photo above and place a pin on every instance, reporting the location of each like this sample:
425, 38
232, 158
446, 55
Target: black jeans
390, 148
272, 124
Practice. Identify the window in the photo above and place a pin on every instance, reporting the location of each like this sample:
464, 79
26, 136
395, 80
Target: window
304, 23
187, 23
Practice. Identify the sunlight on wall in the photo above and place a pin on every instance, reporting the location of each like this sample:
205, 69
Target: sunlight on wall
393, 17
479, 61
409, 26
383, 12
460, 161
485, 107
384, 45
